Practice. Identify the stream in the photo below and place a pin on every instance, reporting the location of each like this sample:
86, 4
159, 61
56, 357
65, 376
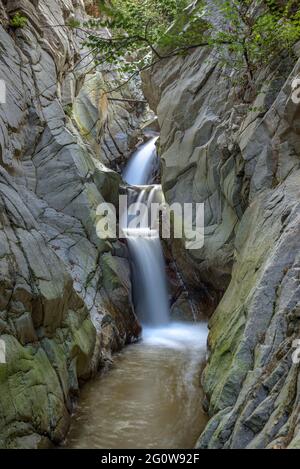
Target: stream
151, 397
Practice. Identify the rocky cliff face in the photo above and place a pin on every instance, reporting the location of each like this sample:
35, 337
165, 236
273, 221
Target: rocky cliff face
65, 295
243, 162
110, 124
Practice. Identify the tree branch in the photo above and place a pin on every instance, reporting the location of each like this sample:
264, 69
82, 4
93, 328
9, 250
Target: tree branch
128, 100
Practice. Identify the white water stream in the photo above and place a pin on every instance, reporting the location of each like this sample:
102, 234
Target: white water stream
151, 398
138, 171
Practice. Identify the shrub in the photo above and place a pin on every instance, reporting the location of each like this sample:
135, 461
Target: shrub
18, 21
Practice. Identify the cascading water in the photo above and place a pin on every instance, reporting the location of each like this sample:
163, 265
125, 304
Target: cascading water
150, 286
151, 398
141, 165
150, 289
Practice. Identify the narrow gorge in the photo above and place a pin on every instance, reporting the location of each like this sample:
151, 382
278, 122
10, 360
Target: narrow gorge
135, 339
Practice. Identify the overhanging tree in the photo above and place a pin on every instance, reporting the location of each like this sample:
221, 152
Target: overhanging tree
246, 34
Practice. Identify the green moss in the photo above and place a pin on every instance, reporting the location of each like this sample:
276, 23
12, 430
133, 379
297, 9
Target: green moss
26, 386
72, 23
68, 110
18, 21
109, 271
36, 382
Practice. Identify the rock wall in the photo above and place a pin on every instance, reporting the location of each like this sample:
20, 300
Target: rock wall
65, 295
242, 160
111, 123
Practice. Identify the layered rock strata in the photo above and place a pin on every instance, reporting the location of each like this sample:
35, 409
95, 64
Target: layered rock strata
242, 160
65, 294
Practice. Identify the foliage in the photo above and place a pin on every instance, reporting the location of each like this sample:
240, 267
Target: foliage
258, 36
246, 34
72, 23
139, 27
18, 21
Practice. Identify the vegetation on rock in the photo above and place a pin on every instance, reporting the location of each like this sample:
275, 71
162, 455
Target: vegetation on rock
246, 34
18, 21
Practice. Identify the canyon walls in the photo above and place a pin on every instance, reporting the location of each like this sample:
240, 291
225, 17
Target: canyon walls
65, 295
241, 158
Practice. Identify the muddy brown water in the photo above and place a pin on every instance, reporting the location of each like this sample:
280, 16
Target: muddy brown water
150, 398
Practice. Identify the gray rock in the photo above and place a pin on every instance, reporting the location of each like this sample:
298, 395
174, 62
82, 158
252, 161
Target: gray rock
55, 303
244, 166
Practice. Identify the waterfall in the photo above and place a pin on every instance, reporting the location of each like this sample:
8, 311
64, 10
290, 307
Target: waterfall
149, 278
150, 290
141, 165
152, 397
